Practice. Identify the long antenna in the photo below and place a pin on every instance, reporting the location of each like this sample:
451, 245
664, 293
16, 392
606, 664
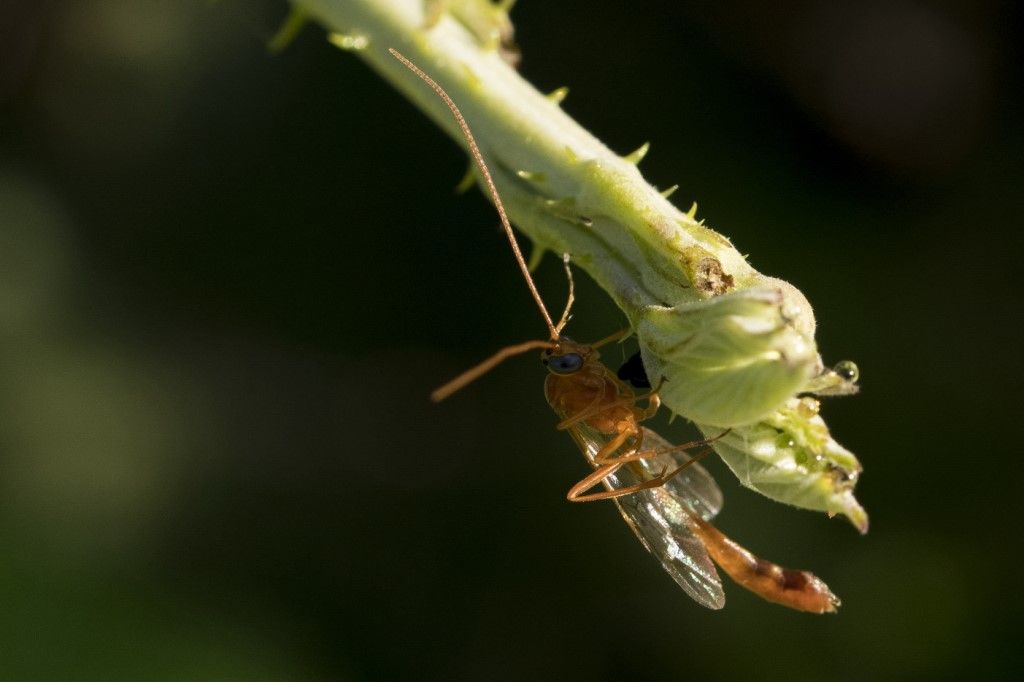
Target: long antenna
474, 150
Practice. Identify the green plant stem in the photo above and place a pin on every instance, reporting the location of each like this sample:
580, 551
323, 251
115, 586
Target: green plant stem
732, 346
576, 194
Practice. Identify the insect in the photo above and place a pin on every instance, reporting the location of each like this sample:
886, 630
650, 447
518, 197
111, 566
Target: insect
664, 495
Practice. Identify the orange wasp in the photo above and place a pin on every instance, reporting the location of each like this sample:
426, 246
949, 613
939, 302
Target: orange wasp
664, 495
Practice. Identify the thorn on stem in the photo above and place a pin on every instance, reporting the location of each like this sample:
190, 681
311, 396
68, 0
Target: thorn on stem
638, 155
558, 96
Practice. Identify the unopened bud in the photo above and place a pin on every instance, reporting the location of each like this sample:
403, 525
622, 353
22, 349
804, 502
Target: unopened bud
728, 360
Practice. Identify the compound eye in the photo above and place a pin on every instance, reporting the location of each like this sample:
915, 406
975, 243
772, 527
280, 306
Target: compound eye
565, 364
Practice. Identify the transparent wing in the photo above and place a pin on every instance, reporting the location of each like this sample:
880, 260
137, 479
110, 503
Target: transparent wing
659, 521
693, 486
659, 516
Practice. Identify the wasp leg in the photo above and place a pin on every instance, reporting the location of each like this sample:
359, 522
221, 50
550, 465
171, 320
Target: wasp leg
604, 455
595, 408
693, 460
576, 493
690, 445
653, 403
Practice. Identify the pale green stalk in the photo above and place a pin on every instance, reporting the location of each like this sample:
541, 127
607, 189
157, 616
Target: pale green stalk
734, 346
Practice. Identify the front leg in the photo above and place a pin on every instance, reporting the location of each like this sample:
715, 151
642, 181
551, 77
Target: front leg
595, 408
653, 403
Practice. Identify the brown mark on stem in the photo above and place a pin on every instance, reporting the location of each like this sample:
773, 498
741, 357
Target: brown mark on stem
706, 273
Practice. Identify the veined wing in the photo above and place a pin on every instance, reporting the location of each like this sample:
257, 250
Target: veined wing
693, 487
660, 517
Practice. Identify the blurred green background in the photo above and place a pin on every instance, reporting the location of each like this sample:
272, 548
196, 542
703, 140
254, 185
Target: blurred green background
229, 280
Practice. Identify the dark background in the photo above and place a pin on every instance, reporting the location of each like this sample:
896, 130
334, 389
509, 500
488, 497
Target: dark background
229, 280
